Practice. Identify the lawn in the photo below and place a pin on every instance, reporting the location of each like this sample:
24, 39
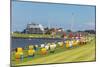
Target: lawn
33, 35
76, 54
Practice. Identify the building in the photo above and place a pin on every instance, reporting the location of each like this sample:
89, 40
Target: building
34, 29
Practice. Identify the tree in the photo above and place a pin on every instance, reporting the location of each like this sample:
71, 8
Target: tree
24, 31
90, 31
69, 30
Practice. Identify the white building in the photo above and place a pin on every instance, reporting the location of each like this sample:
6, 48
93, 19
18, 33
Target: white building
35, 29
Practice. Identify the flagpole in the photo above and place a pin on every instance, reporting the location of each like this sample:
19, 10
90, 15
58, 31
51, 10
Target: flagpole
72, 22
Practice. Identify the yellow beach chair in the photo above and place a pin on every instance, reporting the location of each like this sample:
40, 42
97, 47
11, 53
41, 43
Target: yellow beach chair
75, 43
17, 55
31, 52
19, 49
43, 51
67, 44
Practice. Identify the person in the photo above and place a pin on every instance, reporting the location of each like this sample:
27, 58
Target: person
64, 35
70, 35
19, 54
31, 51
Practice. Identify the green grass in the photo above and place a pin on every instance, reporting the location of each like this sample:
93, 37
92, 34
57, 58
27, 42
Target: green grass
76, 54
37, 54
33, 35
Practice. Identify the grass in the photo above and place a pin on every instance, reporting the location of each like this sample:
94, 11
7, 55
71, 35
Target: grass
76, 54
33, 35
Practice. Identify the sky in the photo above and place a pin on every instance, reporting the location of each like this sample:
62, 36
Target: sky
67, 16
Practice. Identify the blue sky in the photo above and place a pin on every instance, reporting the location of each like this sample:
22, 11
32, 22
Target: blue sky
53, 15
